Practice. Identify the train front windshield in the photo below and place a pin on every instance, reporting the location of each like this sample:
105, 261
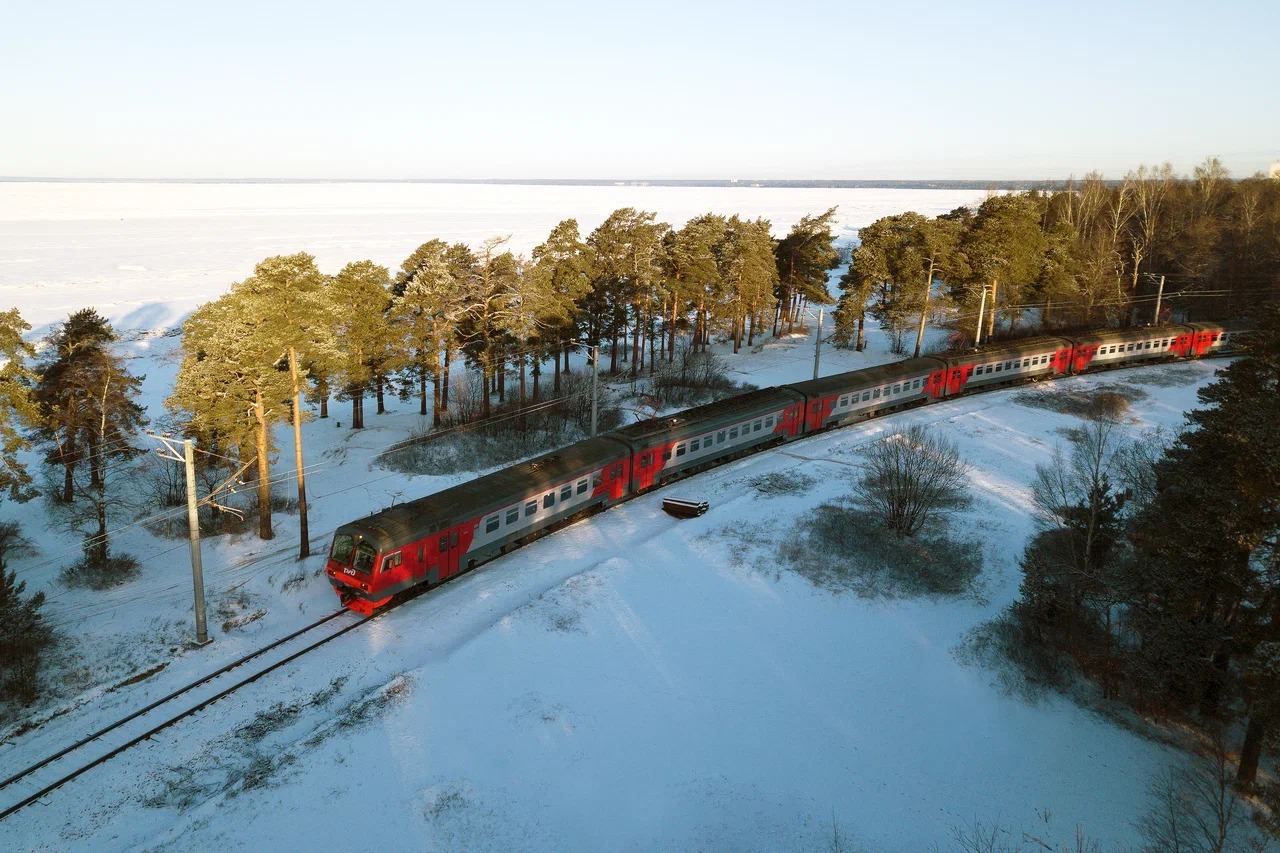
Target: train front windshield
343, 545
365, 555
345, 548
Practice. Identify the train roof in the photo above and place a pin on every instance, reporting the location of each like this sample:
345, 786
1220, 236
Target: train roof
866, 376
742, 405
1006, 349
1138, 333
407, 522
1223, 326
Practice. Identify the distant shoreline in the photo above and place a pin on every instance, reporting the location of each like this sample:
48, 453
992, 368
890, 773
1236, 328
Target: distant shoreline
996, 184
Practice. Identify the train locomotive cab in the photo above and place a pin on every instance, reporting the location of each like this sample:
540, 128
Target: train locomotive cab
350, 568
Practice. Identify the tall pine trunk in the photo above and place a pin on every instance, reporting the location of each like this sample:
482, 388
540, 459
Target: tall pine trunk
357, 409
444, 386
304, 549
435, 399
1251, 750
264, 468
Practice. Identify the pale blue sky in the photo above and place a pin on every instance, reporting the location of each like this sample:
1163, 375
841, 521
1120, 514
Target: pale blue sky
795, 89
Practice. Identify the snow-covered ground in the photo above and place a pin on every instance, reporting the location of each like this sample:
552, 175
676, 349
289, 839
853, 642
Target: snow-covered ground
631, 682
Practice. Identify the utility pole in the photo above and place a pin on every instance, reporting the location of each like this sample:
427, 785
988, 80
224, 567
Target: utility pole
188, 457
982, 310
817, 344
595, 371
1159, 298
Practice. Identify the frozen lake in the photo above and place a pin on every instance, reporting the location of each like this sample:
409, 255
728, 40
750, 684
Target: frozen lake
145, 254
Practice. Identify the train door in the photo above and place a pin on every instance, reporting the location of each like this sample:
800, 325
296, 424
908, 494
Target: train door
450, 553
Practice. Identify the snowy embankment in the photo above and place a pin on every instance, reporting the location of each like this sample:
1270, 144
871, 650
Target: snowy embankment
639, 682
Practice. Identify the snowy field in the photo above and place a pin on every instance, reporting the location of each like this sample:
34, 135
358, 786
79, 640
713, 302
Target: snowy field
633, 682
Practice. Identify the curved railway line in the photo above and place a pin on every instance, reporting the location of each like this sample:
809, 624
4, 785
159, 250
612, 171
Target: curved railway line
41, 778
31, 783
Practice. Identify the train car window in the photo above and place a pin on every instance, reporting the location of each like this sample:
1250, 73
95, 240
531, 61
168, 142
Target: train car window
843, 401
866, 395
768, 422
453, 539
420, 554
444, 544
390, 561
365, 555
720, 437
644, 461
548, 500
491, 523
875, 394
680, 450
343, 545
897, 389
999, 367
596, 479
513, 515
695, 444
666, 455
617, 470
582, 484
530, 508
566, 492
733, 433
758, 426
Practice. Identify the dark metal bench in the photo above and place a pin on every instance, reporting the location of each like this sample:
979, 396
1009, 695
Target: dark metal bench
682, 508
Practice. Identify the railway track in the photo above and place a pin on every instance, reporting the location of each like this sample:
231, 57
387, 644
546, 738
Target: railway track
31, 783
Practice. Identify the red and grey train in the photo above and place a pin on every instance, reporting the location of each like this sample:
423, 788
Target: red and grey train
431, 539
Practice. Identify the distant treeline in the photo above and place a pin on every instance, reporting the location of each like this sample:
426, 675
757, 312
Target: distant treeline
781, 183
1153, 247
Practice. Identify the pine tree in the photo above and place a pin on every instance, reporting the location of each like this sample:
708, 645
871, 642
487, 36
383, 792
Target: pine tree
1204, 585
89, 415
694, 276
485, 292
287, 293
1005, 250
64, 411
17, 408
804, 257
229, 389
750, 275
24, 636
422, 313
359, 299
562, 266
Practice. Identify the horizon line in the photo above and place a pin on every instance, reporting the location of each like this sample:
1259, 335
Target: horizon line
780, 183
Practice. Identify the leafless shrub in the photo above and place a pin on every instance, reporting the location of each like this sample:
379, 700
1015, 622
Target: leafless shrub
913, 476
691, 379
1134, 466
1105, 402
841, 548
1194, 809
